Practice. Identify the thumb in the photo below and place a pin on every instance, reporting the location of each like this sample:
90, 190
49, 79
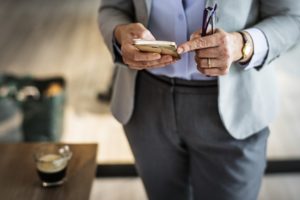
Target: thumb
147, 35
141, 32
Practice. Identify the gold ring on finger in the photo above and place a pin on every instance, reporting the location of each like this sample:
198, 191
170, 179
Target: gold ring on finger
208, 62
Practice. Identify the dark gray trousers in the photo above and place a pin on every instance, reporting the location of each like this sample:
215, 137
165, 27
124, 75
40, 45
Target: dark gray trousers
182, 149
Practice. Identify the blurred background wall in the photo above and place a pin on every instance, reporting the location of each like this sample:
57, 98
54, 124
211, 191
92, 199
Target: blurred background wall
61, 38
46, 38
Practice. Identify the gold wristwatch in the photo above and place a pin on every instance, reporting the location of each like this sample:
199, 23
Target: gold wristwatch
247, 49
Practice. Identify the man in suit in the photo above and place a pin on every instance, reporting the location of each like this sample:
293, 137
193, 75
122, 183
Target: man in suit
198, 126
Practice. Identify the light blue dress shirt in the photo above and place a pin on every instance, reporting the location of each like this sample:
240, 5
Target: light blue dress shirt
176, 20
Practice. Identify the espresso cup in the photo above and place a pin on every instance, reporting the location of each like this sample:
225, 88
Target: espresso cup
52, 163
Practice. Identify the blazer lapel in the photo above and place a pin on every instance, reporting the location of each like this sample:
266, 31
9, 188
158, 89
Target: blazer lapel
143, 9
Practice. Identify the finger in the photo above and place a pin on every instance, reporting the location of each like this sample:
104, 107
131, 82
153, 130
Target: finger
137, 66
131, 52
211, 63
147, 35
200, 43
198, 33
146, 64
138, 30
213, 71
209, 53
163, 64
164, 59
210, 73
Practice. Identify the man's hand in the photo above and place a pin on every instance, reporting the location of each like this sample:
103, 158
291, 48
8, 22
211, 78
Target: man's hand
214, 53
134, 58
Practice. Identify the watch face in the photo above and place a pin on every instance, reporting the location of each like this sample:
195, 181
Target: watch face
247, 50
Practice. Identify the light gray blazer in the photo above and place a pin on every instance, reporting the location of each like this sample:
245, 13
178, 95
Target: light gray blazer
247, 98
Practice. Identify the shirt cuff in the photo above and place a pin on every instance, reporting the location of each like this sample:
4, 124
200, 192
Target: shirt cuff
116, 46
260, 48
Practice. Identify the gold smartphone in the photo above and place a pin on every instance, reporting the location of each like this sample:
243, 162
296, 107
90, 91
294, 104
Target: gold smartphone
155, 46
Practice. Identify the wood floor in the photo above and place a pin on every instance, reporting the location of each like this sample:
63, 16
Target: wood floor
61, 37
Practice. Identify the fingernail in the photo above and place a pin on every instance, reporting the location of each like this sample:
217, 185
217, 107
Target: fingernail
179, 50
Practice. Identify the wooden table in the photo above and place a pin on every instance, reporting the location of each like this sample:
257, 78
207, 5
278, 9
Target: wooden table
19, 180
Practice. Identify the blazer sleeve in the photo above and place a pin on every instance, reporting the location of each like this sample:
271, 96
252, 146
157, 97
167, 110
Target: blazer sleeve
280, 22
112, 13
